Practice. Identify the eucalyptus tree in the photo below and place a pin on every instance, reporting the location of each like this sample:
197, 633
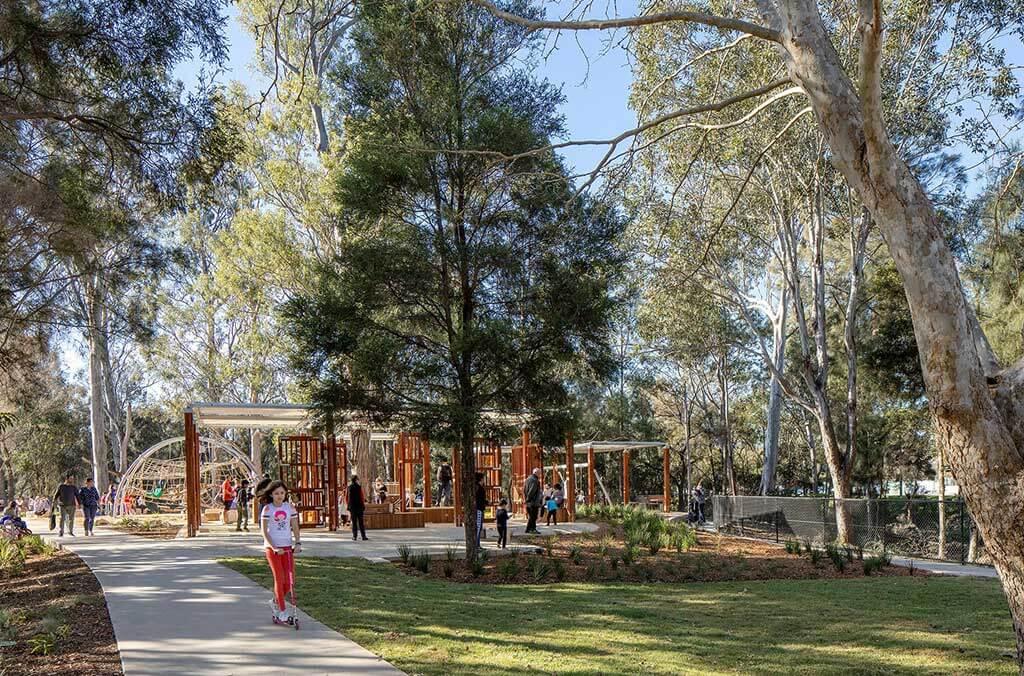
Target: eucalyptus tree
933, 52
469, 283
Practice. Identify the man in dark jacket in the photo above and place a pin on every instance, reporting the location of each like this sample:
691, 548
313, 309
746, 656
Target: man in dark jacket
532, 496
89, 498
356, 507
444, 484
66, 499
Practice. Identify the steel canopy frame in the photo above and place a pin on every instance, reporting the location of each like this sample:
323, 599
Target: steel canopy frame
625, 447
219, 415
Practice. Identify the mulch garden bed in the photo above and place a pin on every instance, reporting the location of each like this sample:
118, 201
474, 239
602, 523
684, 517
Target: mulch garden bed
55, 605
598, 557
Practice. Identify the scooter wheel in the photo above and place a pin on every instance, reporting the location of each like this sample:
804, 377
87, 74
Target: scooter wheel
296, 624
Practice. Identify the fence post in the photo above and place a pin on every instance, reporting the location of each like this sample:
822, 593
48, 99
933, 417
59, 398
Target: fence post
963, 540
776, 525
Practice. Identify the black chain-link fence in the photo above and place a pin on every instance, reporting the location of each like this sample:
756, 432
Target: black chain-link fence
901, 526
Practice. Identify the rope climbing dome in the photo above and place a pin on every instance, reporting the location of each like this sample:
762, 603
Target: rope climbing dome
158, 474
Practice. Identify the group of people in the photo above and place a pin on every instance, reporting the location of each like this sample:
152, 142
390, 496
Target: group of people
236, 495
66, 501
547, 500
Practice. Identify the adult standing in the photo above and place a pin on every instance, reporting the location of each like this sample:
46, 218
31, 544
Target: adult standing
444, 484
700, 498
481, 505
227, 490
66, 499
533, 496
356, 507
89, 498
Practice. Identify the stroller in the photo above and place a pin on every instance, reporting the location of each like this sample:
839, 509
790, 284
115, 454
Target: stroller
13, 528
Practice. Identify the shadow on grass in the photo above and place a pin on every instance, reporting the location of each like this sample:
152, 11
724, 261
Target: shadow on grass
872, 625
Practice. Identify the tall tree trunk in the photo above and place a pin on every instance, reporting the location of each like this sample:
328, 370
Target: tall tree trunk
112, 402
771, 437
256, 450
727, 450
467, 474
977, 407
365, 462
941, 481
96, 390
809, 436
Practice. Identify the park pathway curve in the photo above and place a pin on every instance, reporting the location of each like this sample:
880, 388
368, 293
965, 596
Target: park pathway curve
175, 610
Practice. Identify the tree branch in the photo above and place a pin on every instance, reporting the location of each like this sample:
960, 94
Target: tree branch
722, 22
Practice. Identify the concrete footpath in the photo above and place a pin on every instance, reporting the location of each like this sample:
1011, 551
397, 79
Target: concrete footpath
176, 611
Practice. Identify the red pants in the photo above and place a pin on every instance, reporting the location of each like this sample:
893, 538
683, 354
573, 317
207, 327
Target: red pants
283, 567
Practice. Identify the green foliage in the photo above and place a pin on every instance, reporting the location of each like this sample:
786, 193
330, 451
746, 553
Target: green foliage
576, 554
420, 561
836, 556
816, 555
549, 543
793, 547
558, 569
43, 644
404, 552
12, 557
458, 276
539, 569
630, 554
874, 564
508, 568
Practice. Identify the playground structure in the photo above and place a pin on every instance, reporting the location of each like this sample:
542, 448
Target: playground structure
158, 475
316, 468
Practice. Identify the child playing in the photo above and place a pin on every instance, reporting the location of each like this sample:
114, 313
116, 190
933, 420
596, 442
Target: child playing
501, 519
242, 500
552, 506
280, 523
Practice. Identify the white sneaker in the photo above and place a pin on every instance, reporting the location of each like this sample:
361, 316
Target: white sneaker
274, 609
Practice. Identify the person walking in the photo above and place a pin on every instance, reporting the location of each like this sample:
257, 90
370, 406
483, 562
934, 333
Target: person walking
242, 500
533, 496
66, 498
481, 505
227, 491
279, 522
444, 484
89, 498
356, 507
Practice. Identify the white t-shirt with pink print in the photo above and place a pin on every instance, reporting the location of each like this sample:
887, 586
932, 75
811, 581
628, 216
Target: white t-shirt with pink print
279, 528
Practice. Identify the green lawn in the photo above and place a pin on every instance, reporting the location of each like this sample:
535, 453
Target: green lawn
873, 625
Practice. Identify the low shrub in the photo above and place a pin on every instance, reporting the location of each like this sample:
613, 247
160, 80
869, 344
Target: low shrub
874, 564
42, 644
539, 569
449, 569
576, 554
549, 544
816, 556
808, 547
683, 537
420, 561
558, 569
404, 553
630, 554
508, 568
12, 558
793, 547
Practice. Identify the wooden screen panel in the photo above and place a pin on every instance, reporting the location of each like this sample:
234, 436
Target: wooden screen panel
304, 469
488, 461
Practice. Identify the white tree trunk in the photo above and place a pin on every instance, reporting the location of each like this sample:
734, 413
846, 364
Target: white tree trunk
96, 412
774, 413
